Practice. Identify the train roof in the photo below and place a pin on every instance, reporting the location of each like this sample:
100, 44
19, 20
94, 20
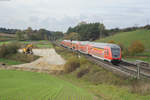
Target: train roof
102, 45
84, 42
66, 40
95, 44
75, 41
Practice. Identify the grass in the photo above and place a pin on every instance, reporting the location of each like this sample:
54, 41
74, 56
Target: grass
105, 91
6, 37
10, 62
39, 44
126, 38
44, 45
21, 85
104, 84
146, 59
4, 42
22, 58
9, 55
19, 58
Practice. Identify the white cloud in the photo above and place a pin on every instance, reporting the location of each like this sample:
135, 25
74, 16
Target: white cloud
60, 14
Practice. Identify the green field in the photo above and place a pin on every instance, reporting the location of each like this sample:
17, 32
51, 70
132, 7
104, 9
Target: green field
104, 84
37, 44
21, 85
4, 42
6, 37
126, 38
106, 91
10, 62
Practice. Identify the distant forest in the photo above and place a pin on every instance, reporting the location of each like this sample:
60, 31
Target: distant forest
92, 31
83, 31
30, 34
8, 31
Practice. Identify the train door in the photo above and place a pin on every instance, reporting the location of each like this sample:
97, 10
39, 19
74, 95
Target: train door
106, 53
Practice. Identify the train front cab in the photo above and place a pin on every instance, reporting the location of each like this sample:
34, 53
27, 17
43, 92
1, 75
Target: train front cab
112, 55
116, 55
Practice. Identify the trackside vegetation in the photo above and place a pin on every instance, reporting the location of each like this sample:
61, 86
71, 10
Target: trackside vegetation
104, 84
21, 85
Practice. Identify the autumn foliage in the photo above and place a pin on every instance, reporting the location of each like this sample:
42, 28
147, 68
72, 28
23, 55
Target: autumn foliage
112, 41
136, 47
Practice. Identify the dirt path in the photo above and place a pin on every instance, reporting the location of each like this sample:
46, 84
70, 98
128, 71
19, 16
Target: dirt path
49, 60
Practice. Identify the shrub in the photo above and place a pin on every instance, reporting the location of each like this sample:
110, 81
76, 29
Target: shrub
8, 49
121, 46
125, 52
112, 41
140, 86
136, 47
82, 72
22, 57
84, 61
71, 65
3, 51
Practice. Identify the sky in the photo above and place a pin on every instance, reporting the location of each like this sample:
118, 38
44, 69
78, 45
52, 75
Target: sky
58, 15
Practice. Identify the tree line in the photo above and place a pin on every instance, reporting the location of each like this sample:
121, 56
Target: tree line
86, 31
41, 34
92, 31
8, 31
83, 31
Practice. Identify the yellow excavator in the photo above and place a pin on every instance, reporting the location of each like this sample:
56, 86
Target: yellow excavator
28, 49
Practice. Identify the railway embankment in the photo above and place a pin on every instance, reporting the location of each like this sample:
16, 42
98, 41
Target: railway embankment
102, 82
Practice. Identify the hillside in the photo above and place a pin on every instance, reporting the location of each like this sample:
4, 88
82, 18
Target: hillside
6, 37
126, 38
19, 85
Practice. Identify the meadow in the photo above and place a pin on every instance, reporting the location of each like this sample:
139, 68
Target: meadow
21, 85
126, 39
102, 83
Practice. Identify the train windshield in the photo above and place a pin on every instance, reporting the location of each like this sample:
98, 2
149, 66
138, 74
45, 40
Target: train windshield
115, 52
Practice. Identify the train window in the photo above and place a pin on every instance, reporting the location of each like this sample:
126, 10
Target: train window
115, 52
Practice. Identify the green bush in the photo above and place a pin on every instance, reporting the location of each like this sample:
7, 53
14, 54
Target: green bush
84, 61
8, 49
22, 57
71, 65
125, 52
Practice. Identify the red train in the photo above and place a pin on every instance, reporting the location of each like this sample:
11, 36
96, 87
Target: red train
105, 51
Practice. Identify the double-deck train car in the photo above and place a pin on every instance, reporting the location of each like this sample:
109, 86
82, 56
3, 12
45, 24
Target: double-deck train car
105, 51
75, 45
66, 43
83, 46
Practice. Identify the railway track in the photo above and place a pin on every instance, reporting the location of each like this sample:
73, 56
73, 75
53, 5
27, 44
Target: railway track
124, 68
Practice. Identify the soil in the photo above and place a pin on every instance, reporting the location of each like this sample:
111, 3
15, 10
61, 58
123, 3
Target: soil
49, 60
